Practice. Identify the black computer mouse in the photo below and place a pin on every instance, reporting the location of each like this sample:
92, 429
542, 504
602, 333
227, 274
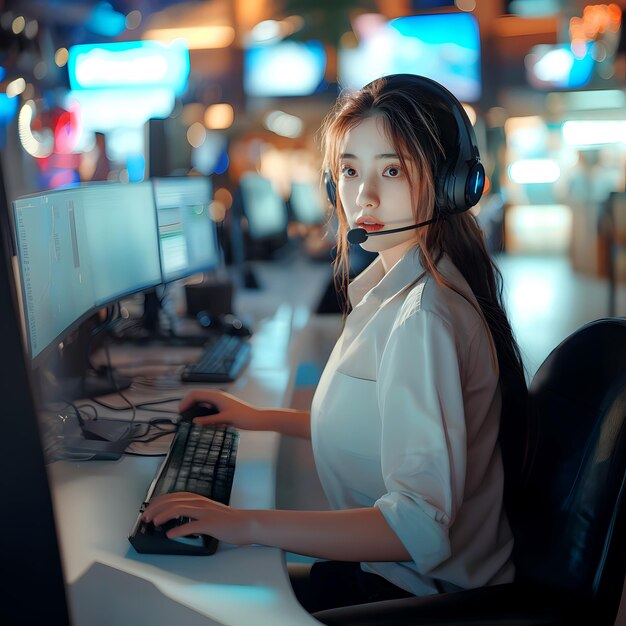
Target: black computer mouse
199, 409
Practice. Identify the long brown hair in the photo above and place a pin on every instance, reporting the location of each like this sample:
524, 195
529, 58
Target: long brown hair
421, 126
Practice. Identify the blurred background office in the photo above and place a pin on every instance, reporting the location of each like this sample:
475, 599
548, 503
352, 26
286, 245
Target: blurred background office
235, 90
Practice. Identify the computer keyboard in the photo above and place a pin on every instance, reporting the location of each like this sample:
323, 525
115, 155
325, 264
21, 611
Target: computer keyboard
222, 360
201, 459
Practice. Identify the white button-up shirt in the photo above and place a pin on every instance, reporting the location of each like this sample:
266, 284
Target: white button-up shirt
405, 418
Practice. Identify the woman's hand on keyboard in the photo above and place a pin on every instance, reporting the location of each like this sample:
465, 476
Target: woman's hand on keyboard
208, 517
230, 410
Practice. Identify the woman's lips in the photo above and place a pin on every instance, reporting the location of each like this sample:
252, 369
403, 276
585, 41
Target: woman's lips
369, 225
372, 228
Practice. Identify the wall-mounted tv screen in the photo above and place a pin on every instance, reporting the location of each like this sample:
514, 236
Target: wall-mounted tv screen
557, 67
287, 68
442, 46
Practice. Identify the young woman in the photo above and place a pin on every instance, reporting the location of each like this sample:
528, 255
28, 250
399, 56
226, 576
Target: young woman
405, 420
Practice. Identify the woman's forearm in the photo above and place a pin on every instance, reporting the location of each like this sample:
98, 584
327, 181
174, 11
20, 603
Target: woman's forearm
287, 422
350, 535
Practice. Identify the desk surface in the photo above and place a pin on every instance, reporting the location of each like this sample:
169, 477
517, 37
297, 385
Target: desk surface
97, 502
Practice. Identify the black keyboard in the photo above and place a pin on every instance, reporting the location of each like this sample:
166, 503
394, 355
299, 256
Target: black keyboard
222, 360
201, 459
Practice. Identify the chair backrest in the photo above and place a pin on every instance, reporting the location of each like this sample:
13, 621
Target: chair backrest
570, 522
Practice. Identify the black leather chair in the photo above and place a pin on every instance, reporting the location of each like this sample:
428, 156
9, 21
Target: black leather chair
570, 522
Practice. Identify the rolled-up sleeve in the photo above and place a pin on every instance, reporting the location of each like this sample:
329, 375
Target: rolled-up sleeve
423, 441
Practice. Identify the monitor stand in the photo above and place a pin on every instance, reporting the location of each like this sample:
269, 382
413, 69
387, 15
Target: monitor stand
149, 329
67, 374
250, 281
150, 321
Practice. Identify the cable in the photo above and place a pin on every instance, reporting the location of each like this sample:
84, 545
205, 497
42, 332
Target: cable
127, 453
164, 432
109, 322
163, 401
117, 389
143, 406
162, 426
155, 437
79, 417
89, 406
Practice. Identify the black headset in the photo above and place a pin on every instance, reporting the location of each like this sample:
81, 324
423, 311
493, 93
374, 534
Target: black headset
460, 178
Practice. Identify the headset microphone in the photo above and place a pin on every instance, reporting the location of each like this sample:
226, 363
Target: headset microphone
359, 235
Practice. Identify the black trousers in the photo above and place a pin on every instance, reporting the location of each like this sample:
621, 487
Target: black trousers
331, 584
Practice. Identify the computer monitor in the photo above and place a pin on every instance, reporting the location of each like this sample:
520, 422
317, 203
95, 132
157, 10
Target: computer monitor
306, 204
263, 208
80, 249
30, 546
187, 233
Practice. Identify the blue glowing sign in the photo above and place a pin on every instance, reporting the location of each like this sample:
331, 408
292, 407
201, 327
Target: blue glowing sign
129, 64
8, 108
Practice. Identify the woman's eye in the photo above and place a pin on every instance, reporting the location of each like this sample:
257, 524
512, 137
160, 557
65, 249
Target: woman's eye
392, 171
349, 172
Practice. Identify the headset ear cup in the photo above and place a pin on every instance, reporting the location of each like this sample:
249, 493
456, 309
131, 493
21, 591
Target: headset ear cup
461, 185
441, 200
331, 189
445, 191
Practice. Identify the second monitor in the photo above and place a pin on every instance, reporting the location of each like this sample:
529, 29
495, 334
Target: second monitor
187, 233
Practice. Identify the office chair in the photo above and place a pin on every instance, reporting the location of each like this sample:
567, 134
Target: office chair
570, 522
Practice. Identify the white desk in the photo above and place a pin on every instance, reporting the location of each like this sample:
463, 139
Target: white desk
97, 502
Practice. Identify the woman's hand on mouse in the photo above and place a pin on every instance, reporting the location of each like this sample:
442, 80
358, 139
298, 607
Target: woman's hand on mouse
208, 517
231, 410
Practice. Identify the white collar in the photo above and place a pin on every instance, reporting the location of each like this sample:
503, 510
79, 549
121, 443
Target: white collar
374, 282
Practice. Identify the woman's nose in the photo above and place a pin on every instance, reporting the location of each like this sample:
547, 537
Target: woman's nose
368, 195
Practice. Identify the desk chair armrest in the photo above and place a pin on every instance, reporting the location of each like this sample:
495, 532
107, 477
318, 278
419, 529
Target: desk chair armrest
501, 605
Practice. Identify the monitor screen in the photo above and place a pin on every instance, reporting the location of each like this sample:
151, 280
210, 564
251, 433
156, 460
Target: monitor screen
441, 46
306, 204
121, 230
81, 248
56, 282
287, 68
187, 233
263, 207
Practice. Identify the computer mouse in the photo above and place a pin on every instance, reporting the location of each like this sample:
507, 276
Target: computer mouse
234, 326
223, 324
199, 409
